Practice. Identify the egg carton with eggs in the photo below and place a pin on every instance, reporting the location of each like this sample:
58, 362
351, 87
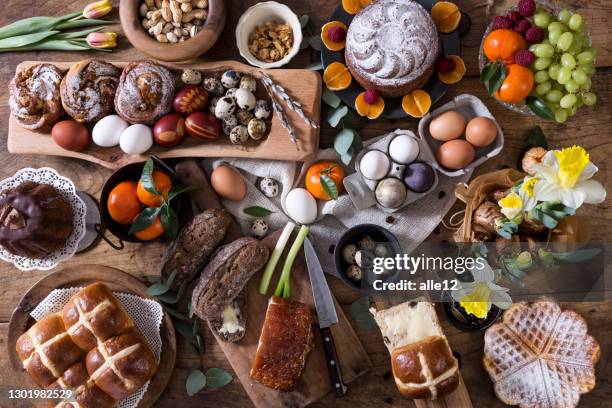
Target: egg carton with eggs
473, 141
382, 177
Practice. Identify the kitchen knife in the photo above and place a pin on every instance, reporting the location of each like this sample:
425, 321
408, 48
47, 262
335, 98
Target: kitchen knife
326, 313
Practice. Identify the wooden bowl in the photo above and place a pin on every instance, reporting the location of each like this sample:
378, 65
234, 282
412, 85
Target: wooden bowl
131, 22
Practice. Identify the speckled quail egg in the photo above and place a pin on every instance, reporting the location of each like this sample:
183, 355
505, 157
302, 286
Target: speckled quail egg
397, 170
231, 92
249, 83
348, 253
269, 187
244, 116
239, 135
213, 86
191, 77
262, 109
360, 257
230, 79
245, 99
225, 107
354, 273
366, 243
259, 228
213, 104
257, 129
228, 124
391, 192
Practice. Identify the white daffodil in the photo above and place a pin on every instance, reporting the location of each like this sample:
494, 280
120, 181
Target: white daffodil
477, 297
565, 175
514, 205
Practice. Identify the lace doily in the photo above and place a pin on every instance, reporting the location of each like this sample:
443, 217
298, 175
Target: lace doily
146, 313
66, 188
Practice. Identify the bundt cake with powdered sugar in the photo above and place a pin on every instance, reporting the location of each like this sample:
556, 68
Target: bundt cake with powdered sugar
392, 47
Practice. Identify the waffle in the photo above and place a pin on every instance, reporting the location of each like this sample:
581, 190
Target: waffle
540, 356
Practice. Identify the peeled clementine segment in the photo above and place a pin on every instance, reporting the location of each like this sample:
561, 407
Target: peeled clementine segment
416, 103
371, 111
328, 42
446, 15
337, 76
456, 74
354, 6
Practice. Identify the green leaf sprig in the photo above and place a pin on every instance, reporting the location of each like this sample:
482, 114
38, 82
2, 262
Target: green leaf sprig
257, 211
166, 214
360, 313
550, 213
310, 38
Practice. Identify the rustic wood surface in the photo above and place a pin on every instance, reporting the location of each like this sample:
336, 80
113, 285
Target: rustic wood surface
591, 128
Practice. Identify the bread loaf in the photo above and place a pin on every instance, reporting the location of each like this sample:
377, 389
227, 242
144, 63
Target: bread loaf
93, 315
196, 241
46, 350
421, 359
84, 391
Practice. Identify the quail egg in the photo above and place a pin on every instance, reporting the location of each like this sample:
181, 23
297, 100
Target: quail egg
230, 79
249, 83
348, 253
228, 124
245, 99
231, 92
366, 243
239, 135
391, 192
269, 187
213, 86
244, 116
191, 77
354, 272
262, 109
213, 103
225, 107
259, 228
363, 258
256, 128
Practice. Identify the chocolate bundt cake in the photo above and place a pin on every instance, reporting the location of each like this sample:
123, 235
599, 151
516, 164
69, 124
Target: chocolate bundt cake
35, 220
392, 47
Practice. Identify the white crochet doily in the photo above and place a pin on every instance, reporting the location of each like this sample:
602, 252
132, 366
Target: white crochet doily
65, 186
146, 313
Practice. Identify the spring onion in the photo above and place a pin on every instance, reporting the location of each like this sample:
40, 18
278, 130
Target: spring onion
276, 254
283, 288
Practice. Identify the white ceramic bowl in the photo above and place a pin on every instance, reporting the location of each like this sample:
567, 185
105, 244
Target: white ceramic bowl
259, 14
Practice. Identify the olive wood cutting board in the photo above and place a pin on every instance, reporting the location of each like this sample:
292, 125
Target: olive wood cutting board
83, 275
314, 382
303, 86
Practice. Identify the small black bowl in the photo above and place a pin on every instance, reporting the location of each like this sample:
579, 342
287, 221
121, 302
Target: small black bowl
352, 236
132, 172
464, 321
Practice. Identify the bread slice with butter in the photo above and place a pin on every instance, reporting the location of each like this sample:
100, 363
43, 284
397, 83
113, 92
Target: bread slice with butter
231, 324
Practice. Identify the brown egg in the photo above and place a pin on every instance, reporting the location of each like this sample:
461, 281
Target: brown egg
447, 126
456, 154
481, 131
228, 183
70, 135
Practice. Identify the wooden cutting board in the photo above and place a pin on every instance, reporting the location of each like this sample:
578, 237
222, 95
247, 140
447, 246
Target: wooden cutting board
314, 382
304, 86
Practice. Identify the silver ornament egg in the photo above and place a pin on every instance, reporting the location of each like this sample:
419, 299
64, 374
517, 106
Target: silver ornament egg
391, 192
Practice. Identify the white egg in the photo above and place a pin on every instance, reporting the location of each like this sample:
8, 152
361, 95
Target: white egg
301, 206
108, 130
136, 139
374, 165
404, 149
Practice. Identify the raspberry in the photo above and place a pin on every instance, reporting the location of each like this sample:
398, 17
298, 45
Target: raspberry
371, 96
534, 35
527, 7
514, 16
524, 58
500, 22
522, 26
336, 34
445, 65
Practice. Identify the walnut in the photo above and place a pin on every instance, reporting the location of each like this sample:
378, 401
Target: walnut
271, 41
486, 214
531, 157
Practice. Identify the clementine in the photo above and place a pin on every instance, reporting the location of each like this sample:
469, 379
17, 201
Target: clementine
163, 184
123, 204
151, 232
314, 174
517, 85
501, 45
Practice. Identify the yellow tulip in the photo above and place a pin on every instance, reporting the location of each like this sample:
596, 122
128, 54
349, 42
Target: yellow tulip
102, 40
97, 9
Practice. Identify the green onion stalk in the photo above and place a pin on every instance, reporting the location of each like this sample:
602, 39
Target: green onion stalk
283, 288
51, 33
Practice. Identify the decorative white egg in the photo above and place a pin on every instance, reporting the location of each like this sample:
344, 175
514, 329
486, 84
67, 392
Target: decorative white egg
136, 139
108, 130
404, 149
245, 99
301, 206
374, 165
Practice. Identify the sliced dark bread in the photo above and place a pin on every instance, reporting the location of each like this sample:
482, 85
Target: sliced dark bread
231, 325
196, 241
227, 273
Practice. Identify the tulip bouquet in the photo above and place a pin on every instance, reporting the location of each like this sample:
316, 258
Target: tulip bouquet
59, 33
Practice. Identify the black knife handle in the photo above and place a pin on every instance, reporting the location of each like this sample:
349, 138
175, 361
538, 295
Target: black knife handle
335, 375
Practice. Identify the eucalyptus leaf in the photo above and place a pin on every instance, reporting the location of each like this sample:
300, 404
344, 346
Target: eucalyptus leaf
157, 289
257, 211
497, 80
169, 221
330, 98
170, 280
304, 44
147, 177
329, 186
360, 313
199, 344
506, 228
171, 299
315, 66
512, 272
577, 256
184, 329
196, 326
304, 19
217, 377
344, 140
176, 314
144, 219
335, 116
196, 381
315, 42
540, 108
180, 189
190, 310
488, 71
346, 158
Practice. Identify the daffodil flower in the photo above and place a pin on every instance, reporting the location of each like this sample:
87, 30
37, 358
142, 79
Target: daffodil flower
514, 205
102, 40
97, 9
477, 297
565, 175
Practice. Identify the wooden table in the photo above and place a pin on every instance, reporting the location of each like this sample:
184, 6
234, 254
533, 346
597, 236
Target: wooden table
591, 129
